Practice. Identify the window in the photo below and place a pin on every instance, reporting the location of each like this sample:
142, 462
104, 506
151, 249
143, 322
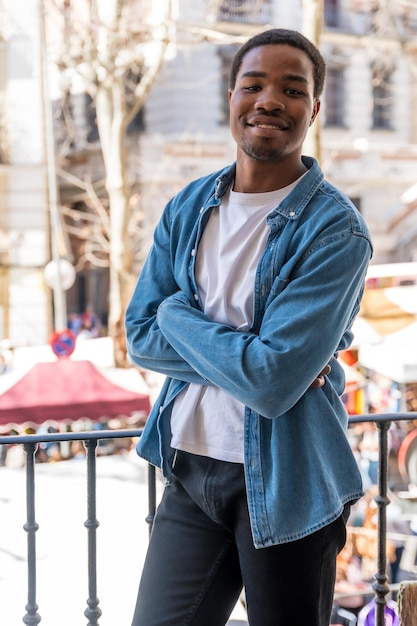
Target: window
226, 54
335, 97
382, 96
4, 291
89, 118
331, 13
248, 11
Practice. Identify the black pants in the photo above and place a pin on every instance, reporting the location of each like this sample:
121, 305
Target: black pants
201, 554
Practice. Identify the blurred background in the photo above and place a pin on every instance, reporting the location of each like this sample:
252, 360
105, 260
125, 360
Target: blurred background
107, 109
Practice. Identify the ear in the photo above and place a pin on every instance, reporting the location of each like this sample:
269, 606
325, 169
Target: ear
229, 94
316, 109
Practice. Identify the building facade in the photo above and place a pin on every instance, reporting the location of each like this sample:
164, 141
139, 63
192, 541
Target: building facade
368, 123
368, 132
25, 300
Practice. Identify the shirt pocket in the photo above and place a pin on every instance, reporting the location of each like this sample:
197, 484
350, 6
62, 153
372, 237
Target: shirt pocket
277, 287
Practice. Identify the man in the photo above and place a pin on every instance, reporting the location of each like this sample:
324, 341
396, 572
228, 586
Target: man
249, 290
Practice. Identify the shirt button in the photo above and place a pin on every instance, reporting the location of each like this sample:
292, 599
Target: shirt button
193, 252
292, 213
202, 209
196, 296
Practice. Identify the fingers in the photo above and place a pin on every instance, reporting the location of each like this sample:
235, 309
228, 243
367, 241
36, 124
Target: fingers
320, 380
326, 370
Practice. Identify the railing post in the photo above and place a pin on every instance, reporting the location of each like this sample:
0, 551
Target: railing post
92, 612
32, 617
380, 586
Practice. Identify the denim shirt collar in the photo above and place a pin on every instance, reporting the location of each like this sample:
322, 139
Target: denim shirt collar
293, 205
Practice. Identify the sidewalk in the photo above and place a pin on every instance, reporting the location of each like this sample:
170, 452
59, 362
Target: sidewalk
61, 541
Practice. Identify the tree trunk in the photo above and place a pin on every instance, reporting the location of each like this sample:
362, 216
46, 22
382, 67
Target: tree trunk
110, 110
112, 120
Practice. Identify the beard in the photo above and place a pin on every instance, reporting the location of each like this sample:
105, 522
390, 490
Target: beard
262, 151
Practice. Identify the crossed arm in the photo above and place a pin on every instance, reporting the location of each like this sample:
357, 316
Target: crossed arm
303, 326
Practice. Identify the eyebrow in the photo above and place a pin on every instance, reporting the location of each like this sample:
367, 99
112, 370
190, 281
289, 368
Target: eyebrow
258, 74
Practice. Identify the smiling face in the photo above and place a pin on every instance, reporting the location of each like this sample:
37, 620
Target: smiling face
271, 108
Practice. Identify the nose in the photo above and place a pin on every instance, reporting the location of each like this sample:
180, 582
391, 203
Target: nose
270, 100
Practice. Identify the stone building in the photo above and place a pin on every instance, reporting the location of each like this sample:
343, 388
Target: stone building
25, 303
368, 132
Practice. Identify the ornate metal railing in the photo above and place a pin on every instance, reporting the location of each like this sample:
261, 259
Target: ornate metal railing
380, 585
90, 439
31, 442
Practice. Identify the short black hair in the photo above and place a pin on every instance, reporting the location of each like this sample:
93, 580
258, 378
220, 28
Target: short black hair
286, 37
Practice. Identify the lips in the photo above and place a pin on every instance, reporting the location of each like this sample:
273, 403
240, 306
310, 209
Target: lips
272, 126
268, 125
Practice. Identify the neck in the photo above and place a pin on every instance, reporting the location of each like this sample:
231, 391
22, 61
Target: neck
260, 177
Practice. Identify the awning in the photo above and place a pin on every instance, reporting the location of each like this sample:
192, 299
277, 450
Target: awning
67, 390
389, 310
394, 356
386, 332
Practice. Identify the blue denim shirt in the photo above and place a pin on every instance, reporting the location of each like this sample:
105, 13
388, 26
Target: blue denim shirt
300, 470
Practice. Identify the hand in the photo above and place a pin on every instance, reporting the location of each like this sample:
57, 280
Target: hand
319, 381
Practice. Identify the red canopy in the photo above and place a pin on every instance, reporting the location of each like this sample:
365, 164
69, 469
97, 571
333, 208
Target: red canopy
67, 390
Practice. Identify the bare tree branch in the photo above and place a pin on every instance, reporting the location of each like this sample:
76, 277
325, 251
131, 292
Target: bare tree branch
88, 187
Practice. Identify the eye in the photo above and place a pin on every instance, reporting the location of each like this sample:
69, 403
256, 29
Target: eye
293, 92
251, 88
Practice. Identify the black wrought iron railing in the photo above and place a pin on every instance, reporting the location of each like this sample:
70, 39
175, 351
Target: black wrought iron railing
90, 440
381, 587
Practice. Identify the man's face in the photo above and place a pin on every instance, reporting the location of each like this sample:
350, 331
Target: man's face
272, 104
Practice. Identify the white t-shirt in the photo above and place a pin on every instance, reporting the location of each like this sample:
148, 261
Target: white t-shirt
206, 420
